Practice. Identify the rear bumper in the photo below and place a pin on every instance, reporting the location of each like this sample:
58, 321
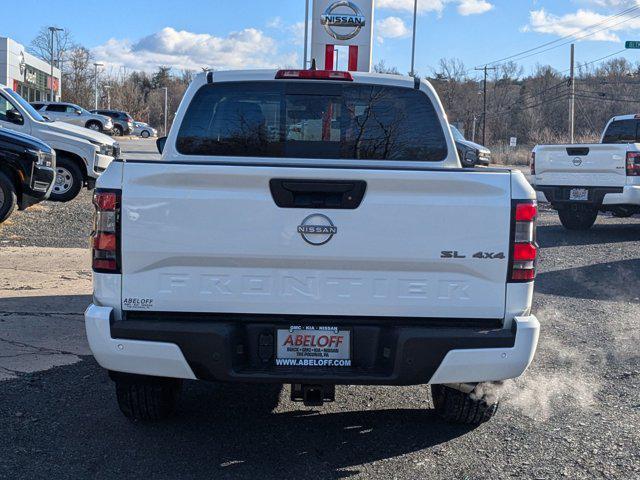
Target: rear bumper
559, 194
401, 352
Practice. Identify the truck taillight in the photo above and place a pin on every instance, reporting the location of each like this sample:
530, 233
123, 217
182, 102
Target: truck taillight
524, 250
633, 164
533, 163
105, 238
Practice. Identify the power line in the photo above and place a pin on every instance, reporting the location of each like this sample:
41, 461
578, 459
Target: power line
515, 107
572, 37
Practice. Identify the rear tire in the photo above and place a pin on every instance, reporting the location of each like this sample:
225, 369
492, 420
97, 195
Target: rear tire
117, 131
622, 212
147, 399
145, 134
8, 198
68, 182
455, 406
579, 218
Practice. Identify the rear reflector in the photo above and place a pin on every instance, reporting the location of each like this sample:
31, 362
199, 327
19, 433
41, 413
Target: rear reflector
633, 164
314, 75
524, 250
105, 238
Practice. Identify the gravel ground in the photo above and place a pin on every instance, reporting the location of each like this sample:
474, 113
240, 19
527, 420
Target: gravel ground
575, 413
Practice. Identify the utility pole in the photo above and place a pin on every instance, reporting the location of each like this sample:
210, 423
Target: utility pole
166, 105
95, 81
306, 35
413, 43
473, 132
572, 104
484, 103
53, 31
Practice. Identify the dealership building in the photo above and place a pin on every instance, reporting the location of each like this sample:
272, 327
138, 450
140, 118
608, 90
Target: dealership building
26, 74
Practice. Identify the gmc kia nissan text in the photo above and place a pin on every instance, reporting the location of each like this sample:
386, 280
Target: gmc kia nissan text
312, 228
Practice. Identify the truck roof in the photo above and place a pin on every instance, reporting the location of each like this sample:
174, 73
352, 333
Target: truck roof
631, 116
270, 74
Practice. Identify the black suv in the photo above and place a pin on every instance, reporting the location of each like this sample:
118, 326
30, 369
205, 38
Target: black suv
27, 171
122, 121
471, 154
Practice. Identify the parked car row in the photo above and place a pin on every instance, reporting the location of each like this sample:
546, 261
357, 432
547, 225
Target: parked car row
111, 122
41, 157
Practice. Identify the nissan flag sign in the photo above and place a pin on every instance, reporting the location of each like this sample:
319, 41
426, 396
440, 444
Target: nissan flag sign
342, 23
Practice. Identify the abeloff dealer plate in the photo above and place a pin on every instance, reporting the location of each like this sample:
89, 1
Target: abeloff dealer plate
313, 347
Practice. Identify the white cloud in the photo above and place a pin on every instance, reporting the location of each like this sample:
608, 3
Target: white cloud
392, 27
572, 23
248, 48
473, 7
465, 7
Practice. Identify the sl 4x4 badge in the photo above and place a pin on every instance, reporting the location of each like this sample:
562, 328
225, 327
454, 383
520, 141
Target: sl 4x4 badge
317, 229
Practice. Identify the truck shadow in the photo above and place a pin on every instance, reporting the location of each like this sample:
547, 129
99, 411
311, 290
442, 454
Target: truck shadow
601, 232
69, 417
603, 281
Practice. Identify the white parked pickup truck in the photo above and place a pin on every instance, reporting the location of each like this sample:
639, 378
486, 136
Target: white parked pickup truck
579, 180
81, 154
312, 228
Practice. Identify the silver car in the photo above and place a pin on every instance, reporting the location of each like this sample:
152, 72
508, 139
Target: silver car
144, 130
75, 115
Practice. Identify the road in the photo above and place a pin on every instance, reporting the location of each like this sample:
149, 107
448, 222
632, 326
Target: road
575, 413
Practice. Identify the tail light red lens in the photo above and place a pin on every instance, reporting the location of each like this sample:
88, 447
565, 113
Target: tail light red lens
633, 164
533, 163
105, 238
524, 250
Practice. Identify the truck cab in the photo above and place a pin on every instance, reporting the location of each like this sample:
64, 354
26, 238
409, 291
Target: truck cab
81, 154
312, 228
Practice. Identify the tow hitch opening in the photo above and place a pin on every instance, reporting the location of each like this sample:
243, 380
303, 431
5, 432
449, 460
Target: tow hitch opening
312, 395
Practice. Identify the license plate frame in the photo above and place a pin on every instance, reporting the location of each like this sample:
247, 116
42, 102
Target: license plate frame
579, 194
314, 346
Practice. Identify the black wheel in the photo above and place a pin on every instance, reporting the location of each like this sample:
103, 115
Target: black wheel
69, 180
8, 197
147, 399
117, 131
144, 134
455, 406
95, 126
578, 218
622, 212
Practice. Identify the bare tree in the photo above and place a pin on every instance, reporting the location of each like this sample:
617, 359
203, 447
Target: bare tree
42, 47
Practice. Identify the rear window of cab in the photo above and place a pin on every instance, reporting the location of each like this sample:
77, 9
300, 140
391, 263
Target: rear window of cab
312, 120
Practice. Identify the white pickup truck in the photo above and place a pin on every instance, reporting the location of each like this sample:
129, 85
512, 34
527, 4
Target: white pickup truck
81, 154
580, 180
312, 228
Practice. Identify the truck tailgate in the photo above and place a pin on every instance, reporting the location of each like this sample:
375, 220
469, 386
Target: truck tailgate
588, 165
210, 238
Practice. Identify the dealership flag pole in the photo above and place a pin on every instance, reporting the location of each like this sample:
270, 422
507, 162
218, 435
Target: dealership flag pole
306, 34
413, 45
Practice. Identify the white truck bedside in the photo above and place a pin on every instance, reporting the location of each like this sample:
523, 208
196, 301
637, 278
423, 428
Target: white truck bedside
313, 228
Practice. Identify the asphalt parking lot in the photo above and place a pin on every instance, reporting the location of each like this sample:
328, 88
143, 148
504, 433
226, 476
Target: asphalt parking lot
574, 414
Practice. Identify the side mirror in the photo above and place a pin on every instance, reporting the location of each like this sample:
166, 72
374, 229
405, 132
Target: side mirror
78, 112
15, 116
160, 143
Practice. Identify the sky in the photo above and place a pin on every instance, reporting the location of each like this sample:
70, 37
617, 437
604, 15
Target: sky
224, 34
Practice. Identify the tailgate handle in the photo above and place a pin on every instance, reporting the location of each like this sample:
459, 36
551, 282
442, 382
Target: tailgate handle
328, 194
577, 151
